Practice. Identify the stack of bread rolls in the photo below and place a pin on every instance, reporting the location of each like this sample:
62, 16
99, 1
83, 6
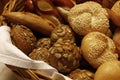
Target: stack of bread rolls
64, 33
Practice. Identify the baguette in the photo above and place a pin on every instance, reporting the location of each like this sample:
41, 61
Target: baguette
31, 20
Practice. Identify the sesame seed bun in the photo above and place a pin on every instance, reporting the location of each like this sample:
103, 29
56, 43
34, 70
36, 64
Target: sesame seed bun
97, 48
88, 17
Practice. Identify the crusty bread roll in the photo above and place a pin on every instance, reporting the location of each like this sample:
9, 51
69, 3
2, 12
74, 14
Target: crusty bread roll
97, 48
114, 17
109, 33
116, 39
88, 17
62, 31
114, 13
116, 7
108, 71
81, 75
33, 21
40, 53
23, 38
43, 43
64, 56
108, 3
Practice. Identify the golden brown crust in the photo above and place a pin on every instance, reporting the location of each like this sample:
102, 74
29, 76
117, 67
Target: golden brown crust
88, 17
116, 7
23, 38
108, 71
81, 75
64, 56
33, 21
43, 43
97, 48
108, 3
114, 13
116, 39
47, 9
40, 54
62, 31
114, 17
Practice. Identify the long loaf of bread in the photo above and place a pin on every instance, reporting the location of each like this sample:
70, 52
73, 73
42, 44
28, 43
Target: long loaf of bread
31, 20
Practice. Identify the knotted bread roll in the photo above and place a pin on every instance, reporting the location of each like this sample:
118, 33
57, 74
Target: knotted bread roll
97, 48
88, 17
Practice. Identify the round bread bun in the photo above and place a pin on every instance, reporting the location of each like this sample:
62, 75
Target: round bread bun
81, 75
116, 39
62, 31
114, 13
40, 54
108, 71
23, 38
87, 17
98, 48
43, 43
64, 56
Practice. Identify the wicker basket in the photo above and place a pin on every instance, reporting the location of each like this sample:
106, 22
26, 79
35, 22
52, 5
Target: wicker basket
21, 74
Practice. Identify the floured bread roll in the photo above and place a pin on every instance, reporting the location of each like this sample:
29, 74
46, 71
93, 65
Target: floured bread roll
88, 17
97, 48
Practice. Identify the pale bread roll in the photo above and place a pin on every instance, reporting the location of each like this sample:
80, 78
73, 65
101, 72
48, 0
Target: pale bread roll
88, 17
97, 48
108, 71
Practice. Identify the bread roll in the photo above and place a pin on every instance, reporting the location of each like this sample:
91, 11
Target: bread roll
116, 39
48, 10
108, 3
33, 21
88, 17
114, 13
43, 43
116, 7
114, 17
62, 31
64, 56
40, 54
81, 75
23, 38
97, 48
108, 71
63, 6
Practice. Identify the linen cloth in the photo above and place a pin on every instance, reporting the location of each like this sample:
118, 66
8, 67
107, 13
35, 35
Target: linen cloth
11, 55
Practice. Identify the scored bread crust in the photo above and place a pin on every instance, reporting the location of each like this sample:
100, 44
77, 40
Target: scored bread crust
116, 7
88, 17
97, 48
23, 38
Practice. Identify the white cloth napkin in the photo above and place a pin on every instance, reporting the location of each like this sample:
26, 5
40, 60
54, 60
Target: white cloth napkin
11, 55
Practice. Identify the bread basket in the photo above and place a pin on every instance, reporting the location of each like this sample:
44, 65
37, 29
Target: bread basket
21, 73
26, 68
